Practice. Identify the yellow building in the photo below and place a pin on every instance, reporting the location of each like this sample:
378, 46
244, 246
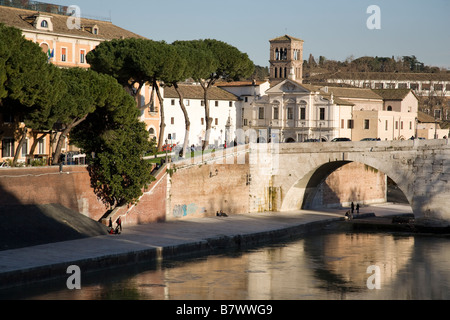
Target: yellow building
67, 40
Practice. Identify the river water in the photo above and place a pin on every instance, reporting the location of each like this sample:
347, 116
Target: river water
330, 265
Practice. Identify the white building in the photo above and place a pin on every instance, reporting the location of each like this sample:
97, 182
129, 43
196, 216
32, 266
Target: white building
223, 112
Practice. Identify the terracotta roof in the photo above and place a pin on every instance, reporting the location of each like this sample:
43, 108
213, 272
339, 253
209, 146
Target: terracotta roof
196, 92
355, 93
285, 38
425, 118
22, 19
393, 94
239, 83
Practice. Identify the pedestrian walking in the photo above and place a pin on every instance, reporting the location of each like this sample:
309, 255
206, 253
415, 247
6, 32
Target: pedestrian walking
119, 224
353, 208
110, 225
357, 208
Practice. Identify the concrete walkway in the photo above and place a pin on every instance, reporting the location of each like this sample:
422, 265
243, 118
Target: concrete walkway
158, 241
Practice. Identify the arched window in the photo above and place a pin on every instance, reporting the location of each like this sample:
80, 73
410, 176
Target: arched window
277, 55
276, 73
389, 108
44, 24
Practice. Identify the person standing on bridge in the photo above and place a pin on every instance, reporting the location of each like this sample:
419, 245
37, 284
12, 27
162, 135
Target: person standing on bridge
353, 208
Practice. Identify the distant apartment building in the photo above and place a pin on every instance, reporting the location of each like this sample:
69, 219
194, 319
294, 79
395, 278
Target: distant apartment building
432, 88
223, 113
66, 45
288, 110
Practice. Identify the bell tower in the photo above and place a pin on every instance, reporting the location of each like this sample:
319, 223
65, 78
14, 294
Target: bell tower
286, 59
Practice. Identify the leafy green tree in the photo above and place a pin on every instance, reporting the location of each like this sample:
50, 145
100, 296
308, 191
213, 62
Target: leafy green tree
135, 62
28, 84
86, 91
188, 63
115, 141
228, 63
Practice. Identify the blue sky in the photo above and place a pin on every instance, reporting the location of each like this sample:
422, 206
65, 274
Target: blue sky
336, 29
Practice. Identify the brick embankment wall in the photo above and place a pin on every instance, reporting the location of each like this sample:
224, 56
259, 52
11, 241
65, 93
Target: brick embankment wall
151, 207
354, 182
46, 185
202, 190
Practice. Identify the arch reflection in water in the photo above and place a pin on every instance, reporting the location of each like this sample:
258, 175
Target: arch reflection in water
317, 267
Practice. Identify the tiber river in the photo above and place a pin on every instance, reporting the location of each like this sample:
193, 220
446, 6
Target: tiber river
331, 265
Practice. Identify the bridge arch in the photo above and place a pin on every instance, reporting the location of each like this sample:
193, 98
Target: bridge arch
301, 192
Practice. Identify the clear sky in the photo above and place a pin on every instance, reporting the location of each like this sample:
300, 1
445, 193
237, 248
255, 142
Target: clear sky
336, 29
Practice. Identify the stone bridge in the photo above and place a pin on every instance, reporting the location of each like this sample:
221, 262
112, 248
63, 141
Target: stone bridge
291, 172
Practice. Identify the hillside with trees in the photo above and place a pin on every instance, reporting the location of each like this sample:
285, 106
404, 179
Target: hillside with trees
313, 67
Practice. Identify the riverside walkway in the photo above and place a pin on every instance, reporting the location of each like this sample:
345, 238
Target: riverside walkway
156, 242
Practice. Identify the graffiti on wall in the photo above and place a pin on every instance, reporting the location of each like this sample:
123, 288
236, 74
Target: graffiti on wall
181, 211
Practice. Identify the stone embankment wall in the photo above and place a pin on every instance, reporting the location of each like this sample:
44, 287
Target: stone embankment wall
203, 190
47, 185
195, 191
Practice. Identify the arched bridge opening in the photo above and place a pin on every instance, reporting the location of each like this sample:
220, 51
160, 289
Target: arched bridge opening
315, 182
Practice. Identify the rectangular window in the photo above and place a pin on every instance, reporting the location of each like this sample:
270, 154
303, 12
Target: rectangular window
401, 125
217, 122
203, 121
64, 54
276, 112
172, 102
290, 113
25, 148
437, 114
202, 103
8, 148
302, 113
230, 104
187, 103
217, 103
410, 125
414, 86
245, 122
366, 124
387, 125
342, 124
41, 146
172, 120
350, 124
390, 85
82, 56
396, 125
261, 114
322, 113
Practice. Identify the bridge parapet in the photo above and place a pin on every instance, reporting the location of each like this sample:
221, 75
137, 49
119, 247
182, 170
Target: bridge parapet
419, 167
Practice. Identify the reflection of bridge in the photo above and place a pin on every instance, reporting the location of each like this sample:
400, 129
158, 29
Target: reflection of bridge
420, 168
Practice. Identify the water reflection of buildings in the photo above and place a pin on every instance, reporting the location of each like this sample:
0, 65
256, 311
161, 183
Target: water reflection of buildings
318, 267
328, 267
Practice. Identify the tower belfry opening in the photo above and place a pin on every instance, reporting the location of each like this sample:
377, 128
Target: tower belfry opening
286, 59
